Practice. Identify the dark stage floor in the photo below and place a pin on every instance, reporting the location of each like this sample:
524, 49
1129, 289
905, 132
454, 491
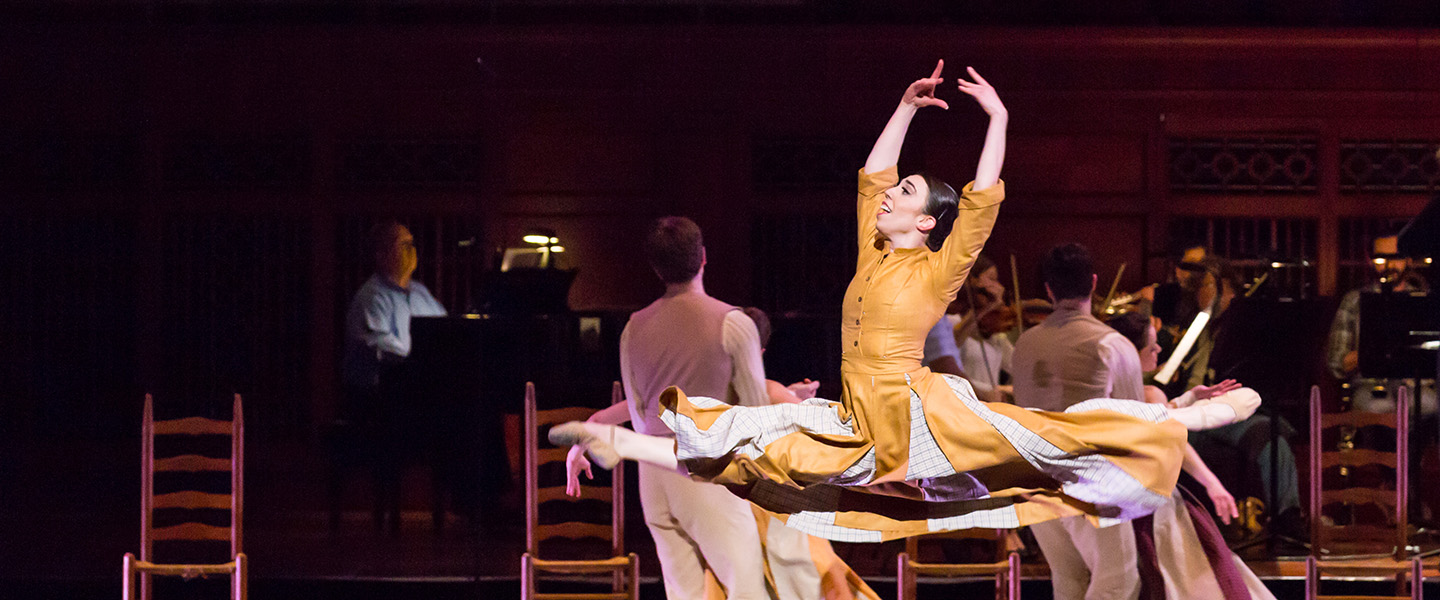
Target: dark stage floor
64, 529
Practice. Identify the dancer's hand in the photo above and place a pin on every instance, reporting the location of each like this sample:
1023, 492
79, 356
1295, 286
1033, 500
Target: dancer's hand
1205, 392
804, 390
922, 93
983, 93
1225, 507
576, 463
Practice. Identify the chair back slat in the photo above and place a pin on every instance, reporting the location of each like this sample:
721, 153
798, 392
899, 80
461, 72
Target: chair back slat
193, 500
1375, 534
1355, 418
192, 463
556, 416
587, 492
193, 426
191, 532
573, 530
1361, 496
1358, 457
545, 456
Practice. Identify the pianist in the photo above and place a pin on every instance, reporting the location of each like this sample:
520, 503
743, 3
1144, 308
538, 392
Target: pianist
377, 337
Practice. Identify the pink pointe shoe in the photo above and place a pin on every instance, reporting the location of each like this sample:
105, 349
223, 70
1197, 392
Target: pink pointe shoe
575, 433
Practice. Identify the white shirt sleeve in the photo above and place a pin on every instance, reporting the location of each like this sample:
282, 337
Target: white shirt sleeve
1122, 362
742, 342
627, 380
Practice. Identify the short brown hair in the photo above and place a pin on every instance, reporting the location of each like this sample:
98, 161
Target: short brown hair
762, 324
675, 249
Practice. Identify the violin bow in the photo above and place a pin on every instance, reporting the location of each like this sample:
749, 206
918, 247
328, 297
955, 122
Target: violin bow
1015, 293
1105, 305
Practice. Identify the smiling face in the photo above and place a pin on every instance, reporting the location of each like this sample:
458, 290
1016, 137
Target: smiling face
903, 209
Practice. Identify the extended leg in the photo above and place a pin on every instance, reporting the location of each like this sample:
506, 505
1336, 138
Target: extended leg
608, 444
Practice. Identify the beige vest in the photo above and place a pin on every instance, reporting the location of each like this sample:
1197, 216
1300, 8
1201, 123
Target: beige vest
676, 341
1057, 363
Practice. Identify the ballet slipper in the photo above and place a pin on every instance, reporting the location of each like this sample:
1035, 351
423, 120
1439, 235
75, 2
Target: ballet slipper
575, 433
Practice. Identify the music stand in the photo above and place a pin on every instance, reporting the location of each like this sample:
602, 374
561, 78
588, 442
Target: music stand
1398, 339
1245, 337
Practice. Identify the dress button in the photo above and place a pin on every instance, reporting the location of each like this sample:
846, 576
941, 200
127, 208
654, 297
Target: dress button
857, 321
860, 299
857, 343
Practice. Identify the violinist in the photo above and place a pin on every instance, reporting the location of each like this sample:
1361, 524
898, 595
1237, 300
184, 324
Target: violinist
985, 349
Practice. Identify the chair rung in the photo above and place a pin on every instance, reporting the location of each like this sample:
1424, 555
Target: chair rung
192, 463
1359, 496
191, 531
1358, 419
191, 500
581, 566
1363, 598
1357, 458
185, 570
556, 416
574, 530
193, 426
609, 596
587, 492
959, 570
545, 456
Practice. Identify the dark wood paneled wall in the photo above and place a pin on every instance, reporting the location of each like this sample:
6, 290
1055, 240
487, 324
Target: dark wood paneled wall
184, 138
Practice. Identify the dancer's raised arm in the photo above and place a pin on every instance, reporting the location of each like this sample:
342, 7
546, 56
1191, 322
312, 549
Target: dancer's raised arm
992, 156
886, 152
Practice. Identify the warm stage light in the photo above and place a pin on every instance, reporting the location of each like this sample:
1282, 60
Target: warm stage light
557, 248
538, 239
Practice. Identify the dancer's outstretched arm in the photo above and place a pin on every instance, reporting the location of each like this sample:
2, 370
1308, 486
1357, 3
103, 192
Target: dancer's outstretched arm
992, 155
886, 152
1225, 507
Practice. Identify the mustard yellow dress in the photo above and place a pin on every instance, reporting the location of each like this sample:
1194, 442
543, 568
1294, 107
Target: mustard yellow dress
906, 451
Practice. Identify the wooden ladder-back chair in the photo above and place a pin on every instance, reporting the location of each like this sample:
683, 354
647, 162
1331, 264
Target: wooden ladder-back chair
189, 500
619, 563
1392, 542
1005, 569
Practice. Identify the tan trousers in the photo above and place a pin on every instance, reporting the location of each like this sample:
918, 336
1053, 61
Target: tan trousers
696, 525
1088, 562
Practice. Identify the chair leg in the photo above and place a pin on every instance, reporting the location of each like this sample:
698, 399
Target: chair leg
1014, 576
634, 576
1417, 579
242, 577
904, 579
127, 578
527, 585
1312, 578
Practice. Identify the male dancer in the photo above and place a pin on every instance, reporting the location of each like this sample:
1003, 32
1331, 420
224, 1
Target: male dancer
1070, 358
689, 339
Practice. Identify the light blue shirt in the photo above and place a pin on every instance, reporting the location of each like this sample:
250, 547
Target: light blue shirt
941, 342
378, 323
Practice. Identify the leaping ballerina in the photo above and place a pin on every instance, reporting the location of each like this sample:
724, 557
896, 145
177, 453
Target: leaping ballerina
906, 451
